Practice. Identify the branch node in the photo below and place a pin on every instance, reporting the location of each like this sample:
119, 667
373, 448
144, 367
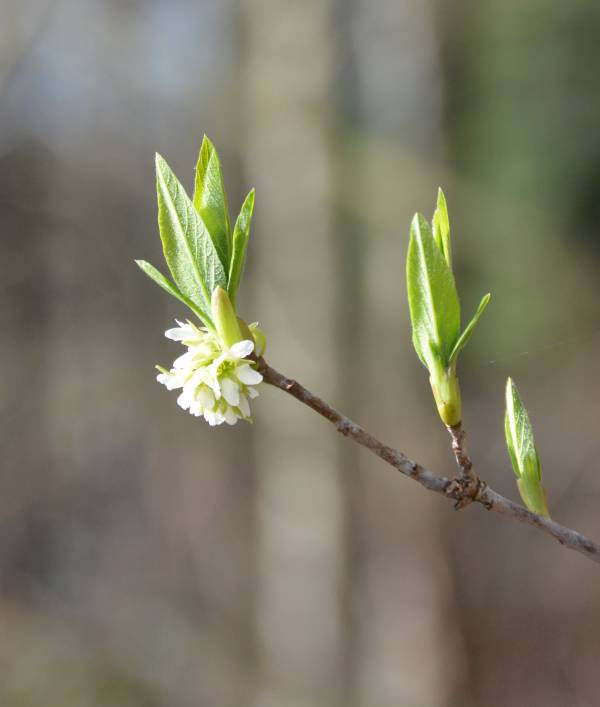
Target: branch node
344, 426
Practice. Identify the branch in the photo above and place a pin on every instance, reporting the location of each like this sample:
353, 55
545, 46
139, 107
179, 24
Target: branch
462, 493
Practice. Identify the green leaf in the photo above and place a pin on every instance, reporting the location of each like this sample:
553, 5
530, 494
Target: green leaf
466, 335
169, 287
187, 245
241, 233
519, 437
441, 227
432, 297
210, 200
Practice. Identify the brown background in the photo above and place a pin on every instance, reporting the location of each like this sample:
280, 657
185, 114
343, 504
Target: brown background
148, 560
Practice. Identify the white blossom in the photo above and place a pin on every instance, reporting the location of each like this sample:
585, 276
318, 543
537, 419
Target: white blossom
216, 380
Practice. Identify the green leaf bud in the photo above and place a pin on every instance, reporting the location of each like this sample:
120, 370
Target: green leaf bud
523, 453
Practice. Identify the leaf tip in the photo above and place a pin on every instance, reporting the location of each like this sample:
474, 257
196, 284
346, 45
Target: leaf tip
206, 143
160, 163
417, 224
511, 393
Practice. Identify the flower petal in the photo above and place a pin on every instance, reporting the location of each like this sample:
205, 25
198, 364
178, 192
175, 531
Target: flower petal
246, 374
244, 406
184, 400
242, 349
230, 417
230, 390
184, 360
213, 418
205, 398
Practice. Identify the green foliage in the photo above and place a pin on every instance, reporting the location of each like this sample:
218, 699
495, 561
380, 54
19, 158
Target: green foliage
169, 287
522, 451
201, 251
241, 234
188, 248
432, 297
466, 335
435, 308
210, 200
441, 227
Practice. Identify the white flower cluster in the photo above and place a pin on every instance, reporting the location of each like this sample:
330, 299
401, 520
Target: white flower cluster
216, 380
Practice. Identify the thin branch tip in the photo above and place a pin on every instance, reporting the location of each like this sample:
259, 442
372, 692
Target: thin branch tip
465, 489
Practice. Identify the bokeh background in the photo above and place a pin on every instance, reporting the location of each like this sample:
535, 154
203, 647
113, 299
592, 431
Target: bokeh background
147, 560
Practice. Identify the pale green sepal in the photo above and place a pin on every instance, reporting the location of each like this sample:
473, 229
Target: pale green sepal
187, 245
241, 233
169, 287
432, 298
210, 200
466, 335
253, 333
225, 319
441, 227
523, 453
260, 339
446, 391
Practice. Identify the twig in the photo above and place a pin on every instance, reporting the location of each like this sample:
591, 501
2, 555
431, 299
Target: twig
468, 481
457, 433
456, 489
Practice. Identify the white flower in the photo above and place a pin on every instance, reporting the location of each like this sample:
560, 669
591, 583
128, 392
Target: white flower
216, 380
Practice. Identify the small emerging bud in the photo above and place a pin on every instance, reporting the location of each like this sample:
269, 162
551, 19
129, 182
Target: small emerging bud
252, 332
260, 340
523, 453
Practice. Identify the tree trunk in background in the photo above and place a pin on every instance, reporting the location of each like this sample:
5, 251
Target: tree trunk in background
349, 246
405, 652
286, 82
522, 124
393, 650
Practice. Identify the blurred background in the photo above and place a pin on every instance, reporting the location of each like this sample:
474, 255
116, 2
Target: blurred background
147, 560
